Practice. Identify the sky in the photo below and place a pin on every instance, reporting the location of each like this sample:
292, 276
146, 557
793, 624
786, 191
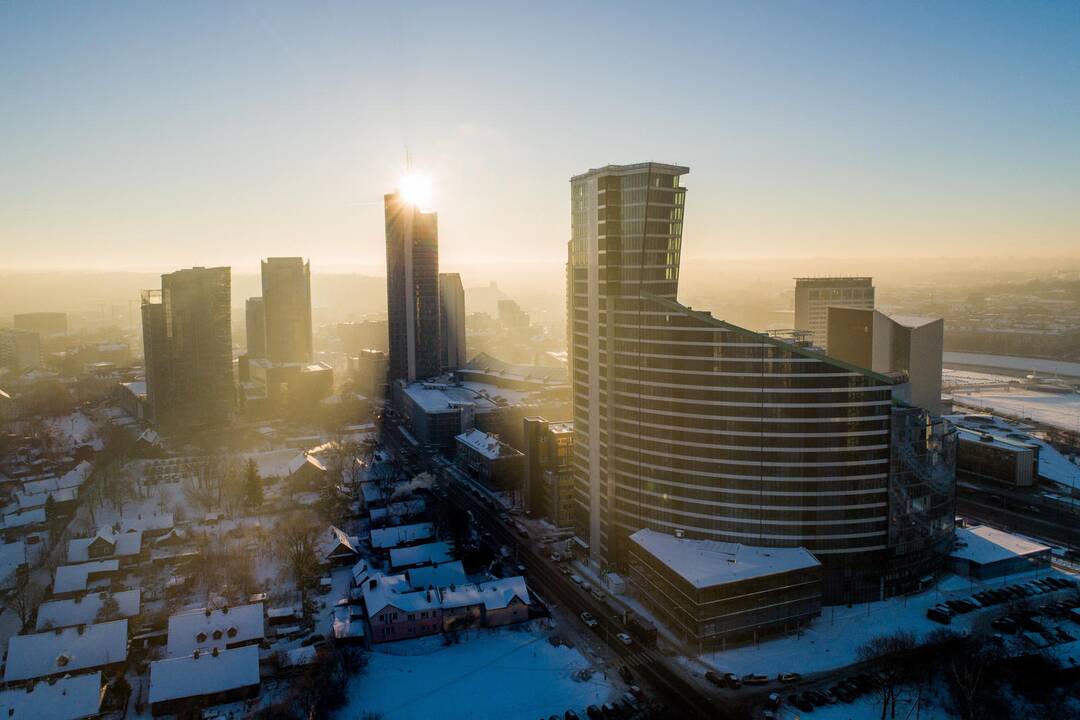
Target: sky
142, 135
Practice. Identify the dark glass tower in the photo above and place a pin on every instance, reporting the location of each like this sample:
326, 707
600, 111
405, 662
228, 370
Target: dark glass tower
412, 289
255, 327
452, 321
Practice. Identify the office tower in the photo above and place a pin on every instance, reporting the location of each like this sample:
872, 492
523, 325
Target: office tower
689, 425
814, 297
511, 316
452, 321
187, 344
43, 323
20, 350
548, 486
286, 284
255, 327
892, 343
412, 289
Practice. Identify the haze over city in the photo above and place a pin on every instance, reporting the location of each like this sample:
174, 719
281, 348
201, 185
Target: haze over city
502, 361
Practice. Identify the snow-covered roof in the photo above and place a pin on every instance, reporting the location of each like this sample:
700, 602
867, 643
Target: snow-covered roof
704, 563
344, 626
204, 674
486, 444
72, 697
22, 519
203, 630
451, 573
77, 475
148, 522
305, 459
84, 610
983, 545
493, 594
299, 656
12, 556
371, 492
382, 591
336, 543
405, 508
27, 501
67, 650
393, 536
436, 552
125, 544
73, 578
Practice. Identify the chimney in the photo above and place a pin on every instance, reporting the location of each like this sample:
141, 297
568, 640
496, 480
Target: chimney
195, 655
214, 652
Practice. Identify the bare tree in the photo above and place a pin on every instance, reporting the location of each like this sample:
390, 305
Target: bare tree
891, 656
26, 598
297, 542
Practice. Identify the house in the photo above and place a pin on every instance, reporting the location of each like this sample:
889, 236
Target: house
372, 495
125, 547
12, 562
392, 537
488, 459
224, 628
19, 524
84, 609
60, 652
203, 678
396, 511
347, 624
71, 579
152, 525
338, 548
427, 554
444, 575
73, 697
491, 604
306, 470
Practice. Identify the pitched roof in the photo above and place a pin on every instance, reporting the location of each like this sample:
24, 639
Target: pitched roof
67, 650
203, 630
435, 552
204, 674
125, 544
337, 541
451, 573
84, 610
493, 594
393, 536
70, 698
72, 578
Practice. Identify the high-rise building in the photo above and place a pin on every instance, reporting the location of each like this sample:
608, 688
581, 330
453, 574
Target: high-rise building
187, 344
43, 323
689, 425
20, 349
255, 327
892, 343
412, 289
511, 316
286, 283
814, 297
452, 321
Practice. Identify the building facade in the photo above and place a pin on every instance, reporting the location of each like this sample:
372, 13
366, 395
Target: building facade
494, 463
255, 327
412, 289
548, 482
814, 297
683, 422
20, 350
286, 283
451, 321
187, 344
42, 323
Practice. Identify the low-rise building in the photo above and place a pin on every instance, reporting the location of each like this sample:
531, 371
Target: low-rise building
401, 535
494, 463
200, 679
419, 555
102, 646
337, 547
215, 629
548, 478
87, 609
982, 552
73, 697
76, 579
125, 547
710, 593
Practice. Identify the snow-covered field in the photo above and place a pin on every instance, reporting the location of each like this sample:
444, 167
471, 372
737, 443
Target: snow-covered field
954, 378
503, 673
1057, 409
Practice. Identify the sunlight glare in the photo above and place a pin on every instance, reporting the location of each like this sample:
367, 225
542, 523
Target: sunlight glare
416, 189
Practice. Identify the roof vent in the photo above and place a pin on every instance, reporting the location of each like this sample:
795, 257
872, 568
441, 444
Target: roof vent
214, 652
208, 612
195, 655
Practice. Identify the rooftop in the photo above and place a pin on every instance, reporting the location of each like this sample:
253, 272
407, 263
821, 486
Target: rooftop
69, 698
206, 629
436, 552
403, 534
73, 578
633, 169
84, 610
705, 563
67, 650
486, 444
204, 673
984, 545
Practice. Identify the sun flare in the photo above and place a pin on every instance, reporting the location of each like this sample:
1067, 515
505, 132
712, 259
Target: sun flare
416, 189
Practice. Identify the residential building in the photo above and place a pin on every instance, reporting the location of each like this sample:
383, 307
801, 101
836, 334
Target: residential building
87, 609
211, 629
815, 295
884, 343
412, 289
485, 457
255, 327
548, 480
180, 685
102, 646
710, 593
42, 323
187, 344
72, 697
286, 283
984, 552
402, 558
20, 350
401, 535
683, 422
71, 580
452, 321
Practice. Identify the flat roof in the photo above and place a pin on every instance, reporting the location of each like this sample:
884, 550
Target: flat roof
705, 563
632, 169
984, 545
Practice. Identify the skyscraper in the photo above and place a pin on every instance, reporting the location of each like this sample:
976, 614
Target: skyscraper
814, 297
452, 321
690, 425
255, 327
286, 283
20, 349
412, 289
187, 343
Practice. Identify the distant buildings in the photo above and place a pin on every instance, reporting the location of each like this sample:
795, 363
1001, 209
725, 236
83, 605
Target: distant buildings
412, 289
187, 344
452, 321
892, 343
20, 350
548, 482
369, 370
814, 297
255, 327
511, 316
42, 323
286, 283
685, 423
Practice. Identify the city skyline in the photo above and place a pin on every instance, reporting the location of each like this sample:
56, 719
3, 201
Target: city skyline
941, 131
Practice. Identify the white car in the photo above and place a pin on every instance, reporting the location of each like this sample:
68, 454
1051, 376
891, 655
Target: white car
588, 619
625, 639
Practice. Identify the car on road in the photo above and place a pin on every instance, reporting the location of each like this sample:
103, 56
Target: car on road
565, 569
755, 679
588, 619
576, 579
801, 703
789, 677
598, 594
625, 639
715, 678
732, 681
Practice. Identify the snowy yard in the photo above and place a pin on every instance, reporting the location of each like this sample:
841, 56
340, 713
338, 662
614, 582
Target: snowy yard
505, 673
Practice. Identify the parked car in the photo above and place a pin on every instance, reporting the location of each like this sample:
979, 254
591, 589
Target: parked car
755, 679
800, 703
588, 619
715, 678
637, 692
625, 639
789, 677
732, 681
598, 594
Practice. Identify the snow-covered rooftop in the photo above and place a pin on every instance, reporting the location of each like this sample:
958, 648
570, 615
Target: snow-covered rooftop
74, 578
984, 545
67, 650
486, 444
336, 543
404, 508
125, 544
436, 552
305, 459
393, 536
493, 594
704, 563
382, 591
147, 522
425, 576
84, 610
12, 556
70, 698
204, 630
204, 674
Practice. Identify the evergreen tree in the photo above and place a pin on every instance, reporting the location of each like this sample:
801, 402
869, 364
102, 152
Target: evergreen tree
253, 490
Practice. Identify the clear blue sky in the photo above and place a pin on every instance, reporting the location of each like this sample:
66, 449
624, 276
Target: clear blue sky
160, 135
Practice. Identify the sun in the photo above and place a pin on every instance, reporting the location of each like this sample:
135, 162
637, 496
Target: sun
416, 189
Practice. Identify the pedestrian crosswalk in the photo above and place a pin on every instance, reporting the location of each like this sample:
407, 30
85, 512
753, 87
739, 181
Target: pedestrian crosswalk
636, 659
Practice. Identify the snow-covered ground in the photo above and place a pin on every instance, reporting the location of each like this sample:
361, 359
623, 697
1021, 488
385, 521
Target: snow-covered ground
868, 707
74, 429
953, 378
1058, 409
510, 672
1012, 363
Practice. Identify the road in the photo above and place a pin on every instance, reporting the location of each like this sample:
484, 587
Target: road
1022, 512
